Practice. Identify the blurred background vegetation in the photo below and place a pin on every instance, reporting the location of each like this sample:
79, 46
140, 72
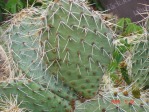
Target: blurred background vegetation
96, 4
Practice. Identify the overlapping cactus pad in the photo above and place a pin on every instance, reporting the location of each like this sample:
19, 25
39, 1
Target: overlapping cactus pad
28, 54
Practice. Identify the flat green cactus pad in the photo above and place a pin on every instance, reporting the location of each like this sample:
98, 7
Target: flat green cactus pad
78, 46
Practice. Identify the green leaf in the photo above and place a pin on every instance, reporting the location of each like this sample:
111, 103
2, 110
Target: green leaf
125, 27
14, 6
2, 4
128, 21
121, 22
114, 77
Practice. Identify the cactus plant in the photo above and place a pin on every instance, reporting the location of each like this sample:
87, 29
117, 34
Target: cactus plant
63, 49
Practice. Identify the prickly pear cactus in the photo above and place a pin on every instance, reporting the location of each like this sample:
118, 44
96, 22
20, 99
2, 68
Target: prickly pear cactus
62, 49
